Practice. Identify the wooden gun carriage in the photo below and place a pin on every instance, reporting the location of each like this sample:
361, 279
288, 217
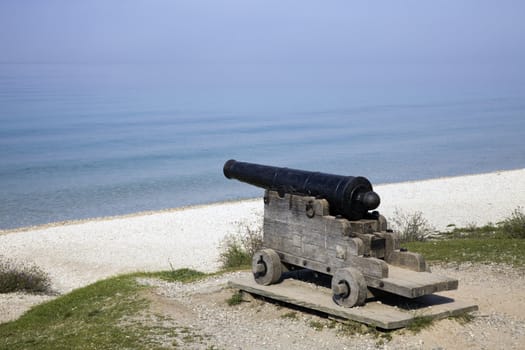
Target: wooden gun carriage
325, 223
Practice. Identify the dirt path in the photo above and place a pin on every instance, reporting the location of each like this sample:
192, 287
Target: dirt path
255, 324
201, 319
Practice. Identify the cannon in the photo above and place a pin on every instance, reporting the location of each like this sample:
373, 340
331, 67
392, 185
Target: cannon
349, 196
327, 224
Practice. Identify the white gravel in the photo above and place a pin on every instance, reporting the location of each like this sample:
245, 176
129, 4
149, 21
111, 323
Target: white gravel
81, 253
257, 324
462, 200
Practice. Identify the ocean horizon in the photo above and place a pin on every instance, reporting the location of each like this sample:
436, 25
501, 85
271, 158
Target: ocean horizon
92, 140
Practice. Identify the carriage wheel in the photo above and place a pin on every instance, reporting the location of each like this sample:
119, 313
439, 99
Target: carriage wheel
349, 287
266, 267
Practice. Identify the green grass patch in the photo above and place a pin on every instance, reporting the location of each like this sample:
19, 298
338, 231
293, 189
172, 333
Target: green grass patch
419, 323
235, 299
502, 242
463, 318
317, 325
478, 250
104, 315
292, 315
180, 275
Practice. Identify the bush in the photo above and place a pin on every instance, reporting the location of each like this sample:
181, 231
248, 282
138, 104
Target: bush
22, 278
236, 250
513, 226
411, 227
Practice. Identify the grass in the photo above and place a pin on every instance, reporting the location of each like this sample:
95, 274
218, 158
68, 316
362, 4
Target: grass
493, 243
86, 318
419, 323
235, 299
477, 250
104, 315
292, 315
317, 325
411, 227
179, 275
462, 319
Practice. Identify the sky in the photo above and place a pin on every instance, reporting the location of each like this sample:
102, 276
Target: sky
263, 31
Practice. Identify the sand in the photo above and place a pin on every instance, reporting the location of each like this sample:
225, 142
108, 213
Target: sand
77, 254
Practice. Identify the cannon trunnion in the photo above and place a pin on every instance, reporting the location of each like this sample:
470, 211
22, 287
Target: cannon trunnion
321, 222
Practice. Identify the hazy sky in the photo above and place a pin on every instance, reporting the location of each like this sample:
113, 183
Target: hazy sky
266, 31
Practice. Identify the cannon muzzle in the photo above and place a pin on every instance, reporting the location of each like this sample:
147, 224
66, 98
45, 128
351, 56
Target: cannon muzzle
349, 196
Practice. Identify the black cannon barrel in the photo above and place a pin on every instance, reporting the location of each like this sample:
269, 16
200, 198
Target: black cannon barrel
349, 196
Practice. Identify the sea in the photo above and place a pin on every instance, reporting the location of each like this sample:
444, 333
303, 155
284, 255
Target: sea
86, 140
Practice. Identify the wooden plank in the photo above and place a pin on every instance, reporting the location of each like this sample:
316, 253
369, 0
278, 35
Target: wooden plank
383, 315
412, 284
422, 278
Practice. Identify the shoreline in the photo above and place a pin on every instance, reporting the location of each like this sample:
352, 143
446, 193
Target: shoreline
118, 217
378, 187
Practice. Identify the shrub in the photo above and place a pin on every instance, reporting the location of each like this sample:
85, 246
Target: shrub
251, 239
236, 250
22, 278
411, 227
514, 226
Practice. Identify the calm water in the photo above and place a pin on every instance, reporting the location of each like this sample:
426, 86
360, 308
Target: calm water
79, 141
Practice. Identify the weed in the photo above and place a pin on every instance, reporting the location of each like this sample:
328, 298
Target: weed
514, 226
22, 278
234, 256
290, 315
317, 325
462, 319
235, 299
419, 323
350, 328
411, 227
236, 250
251, 239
